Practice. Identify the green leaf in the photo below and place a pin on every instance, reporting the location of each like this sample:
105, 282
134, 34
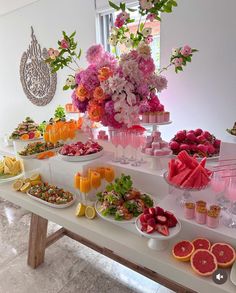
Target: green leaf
141, 27
113, 5
73, 34
130, 20
131, 10
122, 6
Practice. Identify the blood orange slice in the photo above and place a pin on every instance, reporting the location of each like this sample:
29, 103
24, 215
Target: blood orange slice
224, 253
183, 250
201, 243
203, 262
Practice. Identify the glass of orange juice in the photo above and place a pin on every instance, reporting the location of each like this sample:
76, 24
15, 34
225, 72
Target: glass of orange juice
95, 179
85, 187
109, 174
101, 171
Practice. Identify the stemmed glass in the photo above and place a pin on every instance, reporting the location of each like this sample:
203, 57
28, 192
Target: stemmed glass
218, 184
230, 222
142, 142
135, 143
85, 187
124, 142
115, 140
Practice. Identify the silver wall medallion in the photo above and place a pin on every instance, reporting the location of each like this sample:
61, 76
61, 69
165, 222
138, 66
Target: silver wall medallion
38, 83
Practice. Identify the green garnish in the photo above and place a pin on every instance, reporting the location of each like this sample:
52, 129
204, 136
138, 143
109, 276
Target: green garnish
121, 185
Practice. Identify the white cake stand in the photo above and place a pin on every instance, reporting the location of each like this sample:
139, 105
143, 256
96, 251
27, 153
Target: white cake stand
158, 241
155, 126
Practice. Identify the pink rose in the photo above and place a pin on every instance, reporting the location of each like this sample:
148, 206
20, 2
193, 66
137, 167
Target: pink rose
149, 39
119, 22
178, 62
186, 51
64, 44
151, 17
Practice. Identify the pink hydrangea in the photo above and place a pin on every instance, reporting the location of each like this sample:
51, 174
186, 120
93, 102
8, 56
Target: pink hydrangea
108, 60
119, 22
89, 78
95, 54
143, 90
147, 66
186, 51
144, 107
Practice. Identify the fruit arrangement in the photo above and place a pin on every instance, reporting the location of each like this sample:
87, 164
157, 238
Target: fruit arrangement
23, 185
232, 131
26, 130
156, 219
51, 193
195, 142
204, 257
39, 147
10, 166
121, 201
88, 211
80, 149
186, 172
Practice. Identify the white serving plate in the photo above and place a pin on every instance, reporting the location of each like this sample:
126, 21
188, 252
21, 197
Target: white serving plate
8, 178
81, 158
59, 206
35, 155
110, 218
233, 274
173, 231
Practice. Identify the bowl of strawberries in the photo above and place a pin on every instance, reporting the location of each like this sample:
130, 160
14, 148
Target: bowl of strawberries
159, 226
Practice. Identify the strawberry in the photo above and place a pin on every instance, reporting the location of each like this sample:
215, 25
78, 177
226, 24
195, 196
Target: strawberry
152, 211
150, 229
172, 222
146, 211
144, 227
147, 217
31, 135
168, 214
161, 219
162, 229
142, 219
159, 211
151, 222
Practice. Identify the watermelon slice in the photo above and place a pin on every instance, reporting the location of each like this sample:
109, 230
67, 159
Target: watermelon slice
203, 162
172, 169
190, 162
190, 181
181, 177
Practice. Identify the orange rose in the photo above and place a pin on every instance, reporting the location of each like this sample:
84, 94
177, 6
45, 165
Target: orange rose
81, 93
104, 73
99, 94
95, 112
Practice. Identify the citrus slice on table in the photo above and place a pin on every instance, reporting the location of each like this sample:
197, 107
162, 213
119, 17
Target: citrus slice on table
35, 177
80, 210
90, 212
25, 187
18, 184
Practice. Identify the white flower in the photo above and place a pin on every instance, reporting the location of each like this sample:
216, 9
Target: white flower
125, 15
147, 31
146, 4
175, 51
113, 40
70, 81
131, 99
128, 43
114, 31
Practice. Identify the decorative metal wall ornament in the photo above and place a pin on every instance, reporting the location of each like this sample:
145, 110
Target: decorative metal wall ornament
38, 83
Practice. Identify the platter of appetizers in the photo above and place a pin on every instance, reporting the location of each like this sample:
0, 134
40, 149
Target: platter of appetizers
79, 151
32, 150
51, 195
157, 223
196, 143
121, 202
27, 130
10, 169
232, 131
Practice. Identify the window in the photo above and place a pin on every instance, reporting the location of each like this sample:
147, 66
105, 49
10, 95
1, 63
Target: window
106, 21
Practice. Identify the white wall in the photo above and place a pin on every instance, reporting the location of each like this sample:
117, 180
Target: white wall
48, 18
204, 95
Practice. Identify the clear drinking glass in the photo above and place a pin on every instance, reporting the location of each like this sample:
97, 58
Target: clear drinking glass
230, 219
124, 142
115, 140
218, 185
135, 143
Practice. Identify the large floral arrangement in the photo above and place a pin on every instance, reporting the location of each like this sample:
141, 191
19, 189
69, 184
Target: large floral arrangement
112, 90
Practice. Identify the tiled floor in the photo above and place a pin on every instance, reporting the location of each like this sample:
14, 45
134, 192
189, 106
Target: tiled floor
69, 267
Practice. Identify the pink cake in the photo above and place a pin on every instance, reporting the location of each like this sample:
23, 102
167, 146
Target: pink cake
152, 117
166, 116
145, 117
149, 151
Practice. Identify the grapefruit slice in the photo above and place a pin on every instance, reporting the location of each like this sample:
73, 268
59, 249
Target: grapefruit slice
183, 250
224, 253
201, 243
203, 262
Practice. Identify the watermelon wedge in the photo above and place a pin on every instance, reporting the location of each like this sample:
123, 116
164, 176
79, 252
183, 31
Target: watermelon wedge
203, 162
181, 177
172, 169
190, 162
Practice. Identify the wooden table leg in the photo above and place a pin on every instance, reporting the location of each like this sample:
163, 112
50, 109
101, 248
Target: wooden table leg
37, 241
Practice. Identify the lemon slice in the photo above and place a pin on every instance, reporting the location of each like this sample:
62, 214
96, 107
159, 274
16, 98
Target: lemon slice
26, 180
35, 177
17, 185
90, 212
80, 210
25, 187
